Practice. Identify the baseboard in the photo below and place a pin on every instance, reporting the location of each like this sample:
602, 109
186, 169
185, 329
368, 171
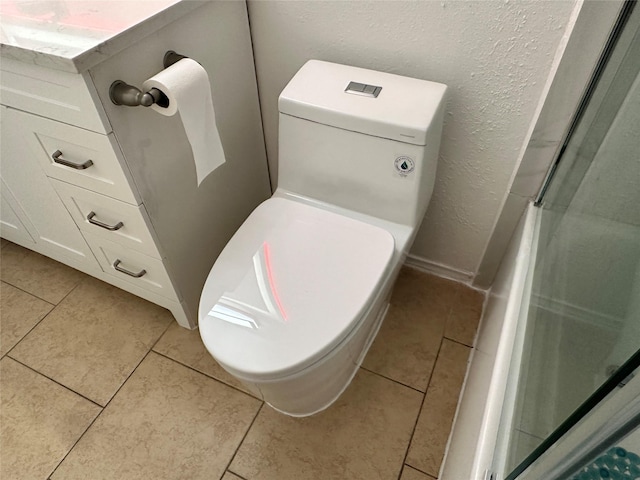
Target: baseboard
439, 270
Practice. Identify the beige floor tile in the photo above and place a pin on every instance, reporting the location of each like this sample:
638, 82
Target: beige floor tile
363, 435
37, 274
20, 312
414, 285
408, 341
4, 243
463, 320
409, 473
434, 425
185, 346
40, 422
167, 422
94, 339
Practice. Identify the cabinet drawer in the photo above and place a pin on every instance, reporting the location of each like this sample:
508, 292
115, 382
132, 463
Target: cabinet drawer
63, 96
99, 165
120, 222
131, 266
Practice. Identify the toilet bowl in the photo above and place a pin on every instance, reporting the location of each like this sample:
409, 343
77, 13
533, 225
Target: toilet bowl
297, 296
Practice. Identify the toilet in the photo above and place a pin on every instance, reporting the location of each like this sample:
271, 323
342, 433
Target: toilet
298, 294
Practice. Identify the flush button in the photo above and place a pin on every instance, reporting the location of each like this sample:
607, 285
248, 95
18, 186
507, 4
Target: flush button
363, 89
356, 87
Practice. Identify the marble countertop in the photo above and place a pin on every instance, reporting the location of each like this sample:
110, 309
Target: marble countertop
73, 35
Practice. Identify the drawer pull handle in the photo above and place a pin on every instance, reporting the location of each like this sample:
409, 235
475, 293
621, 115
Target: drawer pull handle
106, 226
117, 266
57, 157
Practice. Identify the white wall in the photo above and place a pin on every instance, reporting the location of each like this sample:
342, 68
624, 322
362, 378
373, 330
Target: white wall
495, 56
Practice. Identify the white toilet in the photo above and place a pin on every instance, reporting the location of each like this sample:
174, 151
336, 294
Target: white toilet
297, 296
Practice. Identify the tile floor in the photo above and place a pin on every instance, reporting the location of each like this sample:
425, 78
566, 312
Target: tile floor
96, 383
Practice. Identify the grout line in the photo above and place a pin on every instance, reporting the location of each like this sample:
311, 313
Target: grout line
415, 425
205, 374
76, 442
159, 336
446, 323
54, 381
109, 402
36, 296
458, 342
44, 300
417, 469
243, 439
27, 333
393, 380
234, 473
39, 321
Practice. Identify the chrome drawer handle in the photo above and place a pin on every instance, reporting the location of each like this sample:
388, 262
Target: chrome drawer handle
117, 266
106, 226
57, 157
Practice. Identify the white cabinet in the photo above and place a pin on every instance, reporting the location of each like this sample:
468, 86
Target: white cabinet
112, 190
67, 192
27, 187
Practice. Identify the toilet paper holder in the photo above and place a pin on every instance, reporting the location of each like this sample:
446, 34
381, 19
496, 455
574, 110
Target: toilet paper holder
121, 93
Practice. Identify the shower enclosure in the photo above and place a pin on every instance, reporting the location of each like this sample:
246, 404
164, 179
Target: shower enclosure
553, 390
577, 344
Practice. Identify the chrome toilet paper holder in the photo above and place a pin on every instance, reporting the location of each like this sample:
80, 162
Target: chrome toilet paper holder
121, 93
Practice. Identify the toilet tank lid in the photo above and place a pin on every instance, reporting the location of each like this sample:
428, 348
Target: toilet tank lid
403, 110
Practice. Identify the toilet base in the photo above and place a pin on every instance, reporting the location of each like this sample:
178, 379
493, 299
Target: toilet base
320, 385
350, 369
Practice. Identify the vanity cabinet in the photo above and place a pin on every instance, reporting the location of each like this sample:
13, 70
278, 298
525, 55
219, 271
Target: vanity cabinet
67, 191
112, 190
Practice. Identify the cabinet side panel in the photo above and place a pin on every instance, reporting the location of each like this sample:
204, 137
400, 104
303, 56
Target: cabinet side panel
193, 223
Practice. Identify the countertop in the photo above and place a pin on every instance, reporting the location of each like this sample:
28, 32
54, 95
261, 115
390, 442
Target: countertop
73, 36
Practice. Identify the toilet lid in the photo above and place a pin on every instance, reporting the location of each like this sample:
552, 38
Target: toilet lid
289, 286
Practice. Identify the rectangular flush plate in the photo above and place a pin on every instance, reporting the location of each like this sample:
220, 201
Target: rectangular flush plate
363, 89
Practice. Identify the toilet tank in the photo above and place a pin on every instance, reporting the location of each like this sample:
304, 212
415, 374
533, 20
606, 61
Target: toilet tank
341, 144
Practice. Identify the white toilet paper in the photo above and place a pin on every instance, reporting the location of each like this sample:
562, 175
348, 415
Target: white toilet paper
187, 86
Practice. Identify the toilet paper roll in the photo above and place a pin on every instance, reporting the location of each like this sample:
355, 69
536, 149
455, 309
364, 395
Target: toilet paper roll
187, 86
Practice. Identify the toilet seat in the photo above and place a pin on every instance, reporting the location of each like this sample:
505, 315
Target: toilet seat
289, 286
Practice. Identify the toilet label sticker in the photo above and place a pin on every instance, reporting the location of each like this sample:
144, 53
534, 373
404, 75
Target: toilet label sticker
404, 165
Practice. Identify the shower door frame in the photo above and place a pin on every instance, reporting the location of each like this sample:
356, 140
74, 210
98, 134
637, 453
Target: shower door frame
606, 423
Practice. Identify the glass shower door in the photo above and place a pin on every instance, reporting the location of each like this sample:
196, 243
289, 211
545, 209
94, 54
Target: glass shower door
582, 322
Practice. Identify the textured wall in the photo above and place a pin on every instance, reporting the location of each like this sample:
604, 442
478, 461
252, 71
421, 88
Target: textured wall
495, 57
